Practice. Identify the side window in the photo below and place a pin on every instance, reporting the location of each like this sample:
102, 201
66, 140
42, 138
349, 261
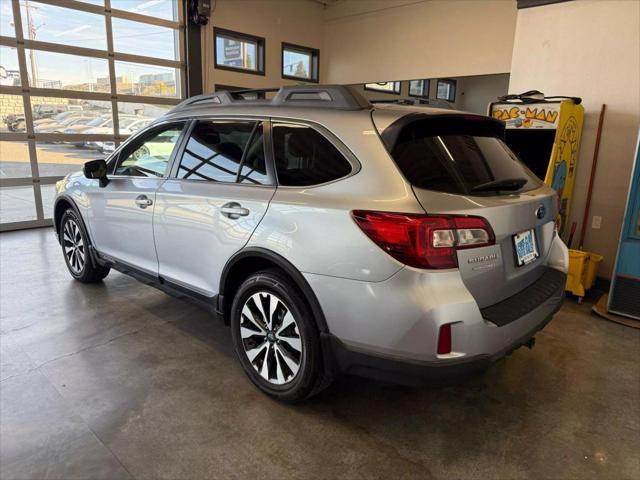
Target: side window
214, 151
305, 157
254, 166
149, 156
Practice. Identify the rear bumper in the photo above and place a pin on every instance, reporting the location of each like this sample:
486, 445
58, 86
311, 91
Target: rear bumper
391, 331
408, 372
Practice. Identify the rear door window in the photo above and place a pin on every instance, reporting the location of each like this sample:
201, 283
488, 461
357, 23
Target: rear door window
254, 166
459, 156
214, 151
304, 157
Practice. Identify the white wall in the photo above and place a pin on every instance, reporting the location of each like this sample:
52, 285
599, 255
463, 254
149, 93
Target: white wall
473, 93
589, 49
477, 91
364, 41
373, 95
291, 21
374, 40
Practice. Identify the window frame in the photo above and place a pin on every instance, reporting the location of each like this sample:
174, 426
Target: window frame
396, 91
329, 136
454, 88
268, 150
425, 91
314, 64
31, 94
261, 49
144, 135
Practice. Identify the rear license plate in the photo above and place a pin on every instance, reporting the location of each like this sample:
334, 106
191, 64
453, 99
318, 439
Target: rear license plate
526, 249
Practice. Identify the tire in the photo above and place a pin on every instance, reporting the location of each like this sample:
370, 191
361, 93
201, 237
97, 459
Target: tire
75, 250
290, 375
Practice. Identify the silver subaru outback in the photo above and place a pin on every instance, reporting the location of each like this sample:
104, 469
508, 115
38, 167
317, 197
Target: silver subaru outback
333, 235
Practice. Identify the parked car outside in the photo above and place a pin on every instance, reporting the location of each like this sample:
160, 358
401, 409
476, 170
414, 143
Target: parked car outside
106, 128
49, 110
82, 127
85, 128
106, 147
70, 122
128, 126
15, 122
61, 117
41, 114
331, 234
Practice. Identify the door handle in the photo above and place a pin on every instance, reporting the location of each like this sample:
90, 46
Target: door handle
234, 210
143, 201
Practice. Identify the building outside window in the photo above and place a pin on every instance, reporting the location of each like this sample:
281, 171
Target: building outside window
387, 87
239, 51
419, 88
446, 90
300, 63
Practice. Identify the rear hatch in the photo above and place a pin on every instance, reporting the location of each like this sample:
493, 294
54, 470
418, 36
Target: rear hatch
458, 164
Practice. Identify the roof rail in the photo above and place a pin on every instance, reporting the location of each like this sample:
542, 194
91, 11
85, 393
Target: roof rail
338, 97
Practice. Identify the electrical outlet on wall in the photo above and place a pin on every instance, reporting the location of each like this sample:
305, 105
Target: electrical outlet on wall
596, 222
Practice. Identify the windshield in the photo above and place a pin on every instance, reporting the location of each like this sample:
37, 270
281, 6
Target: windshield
125, 122
96, 122
459, 157
77, 121
61, 116
137, 125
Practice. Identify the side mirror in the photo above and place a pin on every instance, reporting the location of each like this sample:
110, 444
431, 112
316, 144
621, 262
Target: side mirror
96, 169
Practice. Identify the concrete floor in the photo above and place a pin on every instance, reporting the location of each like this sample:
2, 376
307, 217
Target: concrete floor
118, 380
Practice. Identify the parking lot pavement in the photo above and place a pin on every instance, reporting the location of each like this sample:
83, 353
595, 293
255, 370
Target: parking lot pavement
54, 159
17, 204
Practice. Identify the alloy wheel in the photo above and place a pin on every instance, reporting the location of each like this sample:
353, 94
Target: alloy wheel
271, 338
73, 245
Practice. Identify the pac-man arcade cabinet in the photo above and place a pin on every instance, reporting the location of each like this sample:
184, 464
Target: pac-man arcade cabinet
545, 133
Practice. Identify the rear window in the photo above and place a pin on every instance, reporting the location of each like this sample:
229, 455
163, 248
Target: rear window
462, 155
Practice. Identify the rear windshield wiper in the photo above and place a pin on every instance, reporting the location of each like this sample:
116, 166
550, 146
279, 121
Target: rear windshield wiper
508, 184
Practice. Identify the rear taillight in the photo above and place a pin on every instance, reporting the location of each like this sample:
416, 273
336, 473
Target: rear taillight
424, 241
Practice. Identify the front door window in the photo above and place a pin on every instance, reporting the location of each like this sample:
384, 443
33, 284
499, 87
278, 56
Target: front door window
149, 156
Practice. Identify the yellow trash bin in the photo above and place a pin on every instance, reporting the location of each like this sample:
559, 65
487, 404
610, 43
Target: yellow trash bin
592, 270
583, 268
575, 275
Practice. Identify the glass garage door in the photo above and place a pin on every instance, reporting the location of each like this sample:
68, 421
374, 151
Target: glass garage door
76, 79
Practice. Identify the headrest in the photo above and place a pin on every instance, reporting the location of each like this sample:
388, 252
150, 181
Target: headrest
297, 146
230, 150
208, 132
